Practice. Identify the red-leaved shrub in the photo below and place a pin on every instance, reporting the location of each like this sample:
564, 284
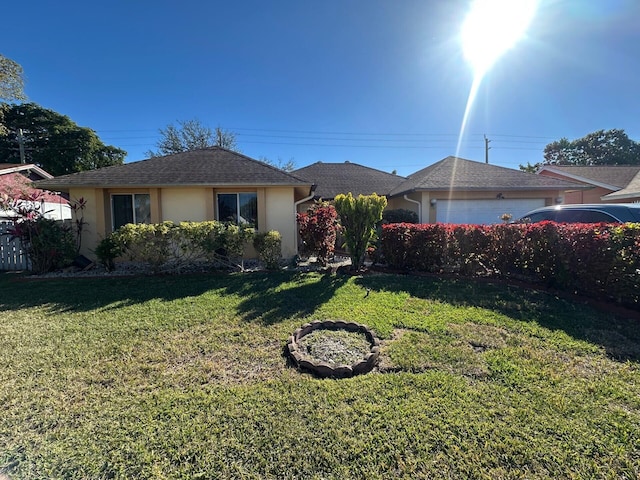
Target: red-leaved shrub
601, 260
318, 229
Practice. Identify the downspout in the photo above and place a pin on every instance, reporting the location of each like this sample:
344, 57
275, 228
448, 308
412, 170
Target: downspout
419, 207
295, 212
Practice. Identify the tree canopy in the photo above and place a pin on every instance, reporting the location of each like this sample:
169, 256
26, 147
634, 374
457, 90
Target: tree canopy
191, 135
52, 141
11, 80
603, 147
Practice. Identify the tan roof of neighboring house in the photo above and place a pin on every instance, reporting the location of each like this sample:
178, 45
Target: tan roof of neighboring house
631, 191
30, 170
208, 166
454, 173
612, 177
332, 179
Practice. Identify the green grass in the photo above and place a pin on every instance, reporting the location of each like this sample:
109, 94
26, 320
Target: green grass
184, 377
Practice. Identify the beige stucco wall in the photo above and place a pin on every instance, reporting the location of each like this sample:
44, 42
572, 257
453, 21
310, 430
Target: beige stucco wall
279, 203
91, 233
275, 211
185, 204
396, 203
591, 195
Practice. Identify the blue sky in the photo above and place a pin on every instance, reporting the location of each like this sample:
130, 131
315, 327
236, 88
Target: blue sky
380, 83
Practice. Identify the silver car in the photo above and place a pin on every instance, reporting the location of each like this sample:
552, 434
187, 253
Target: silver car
585, 213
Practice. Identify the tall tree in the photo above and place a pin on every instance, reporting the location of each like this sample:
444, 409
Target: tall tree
11, 80
603, 147
52, 141
191, 135
608, 147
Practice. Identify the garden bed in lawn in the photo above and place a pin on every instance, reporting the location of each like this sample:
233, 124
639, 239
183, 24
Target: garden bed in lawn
185, 377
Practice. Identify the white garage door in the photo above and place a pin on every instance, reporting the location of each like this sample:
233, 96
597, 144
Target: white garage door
484, 211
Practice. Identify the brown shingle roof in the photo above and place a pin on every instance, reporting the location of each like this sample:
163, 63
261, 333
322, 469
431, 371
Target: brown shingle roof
454, 173
208, 166
334, 178
604, 175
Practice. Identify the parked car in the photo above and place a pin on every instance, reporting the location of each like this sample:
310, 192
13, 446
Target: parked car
585, 213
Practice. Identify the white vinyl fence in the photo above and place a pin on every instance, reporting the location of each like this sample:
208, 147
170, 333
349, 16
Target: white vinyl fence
12, 257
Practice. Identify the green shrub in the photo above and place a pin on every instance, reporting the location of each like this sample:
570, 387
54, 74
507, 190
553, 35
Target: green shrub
166, 244
152, 244
359, 217
49, 244
399, 215
107, 250
269, 248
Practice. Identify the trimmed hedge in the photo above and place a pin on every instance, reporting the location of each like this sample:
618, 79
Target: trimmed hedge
600, 260
172, 246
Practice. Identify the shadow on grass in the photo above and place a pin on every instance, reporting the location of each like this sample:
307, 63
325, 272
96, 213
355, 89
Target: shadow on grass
266, 297
273, 297
615, 330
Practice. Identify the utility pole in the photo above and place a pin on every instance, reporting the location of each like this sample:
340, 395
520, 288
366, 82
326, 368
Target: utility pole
486, 149
21, 145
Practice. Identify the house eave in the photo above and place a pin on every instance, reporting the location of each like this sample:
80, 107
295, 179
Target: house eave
491, 188
620, 196
67, 187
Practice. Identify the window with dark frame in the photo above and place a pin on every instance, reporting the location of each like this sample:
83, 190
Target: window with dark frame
238, 208
130, 208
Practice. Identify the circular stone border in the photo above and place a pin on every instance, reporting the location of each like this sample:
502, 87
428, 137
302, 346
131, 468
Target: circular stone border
323, 369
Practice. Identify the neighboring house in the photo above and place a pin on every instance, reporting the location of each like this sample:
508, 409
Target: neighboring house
16, 181
332, 179
453, 190
606, 183
207, 184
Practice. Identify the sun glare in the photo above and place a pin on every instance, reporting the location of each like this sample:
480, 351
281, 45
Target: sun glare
491, 28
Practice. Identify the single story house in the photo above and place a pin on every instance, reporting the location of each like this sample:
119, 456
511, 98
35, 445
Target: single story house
606, 183
199, 185
218, 184
16, 182
453, 190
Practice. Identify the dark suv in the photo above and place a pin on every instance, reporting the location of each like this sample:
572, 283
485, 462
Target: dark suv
585, 213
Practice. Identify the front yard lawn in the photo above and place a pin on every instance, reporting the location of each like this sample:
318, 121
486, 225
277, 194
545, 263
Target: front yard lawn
184, 377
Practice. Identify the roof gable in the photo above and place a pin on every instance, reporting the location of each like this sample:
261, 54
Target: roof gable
332, 179
29, 170
629, 193
213, 166
611, 177
454, 173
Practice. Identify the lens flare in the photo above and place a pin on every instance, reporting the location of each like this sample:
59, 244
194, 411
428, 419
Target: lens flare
491, 28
